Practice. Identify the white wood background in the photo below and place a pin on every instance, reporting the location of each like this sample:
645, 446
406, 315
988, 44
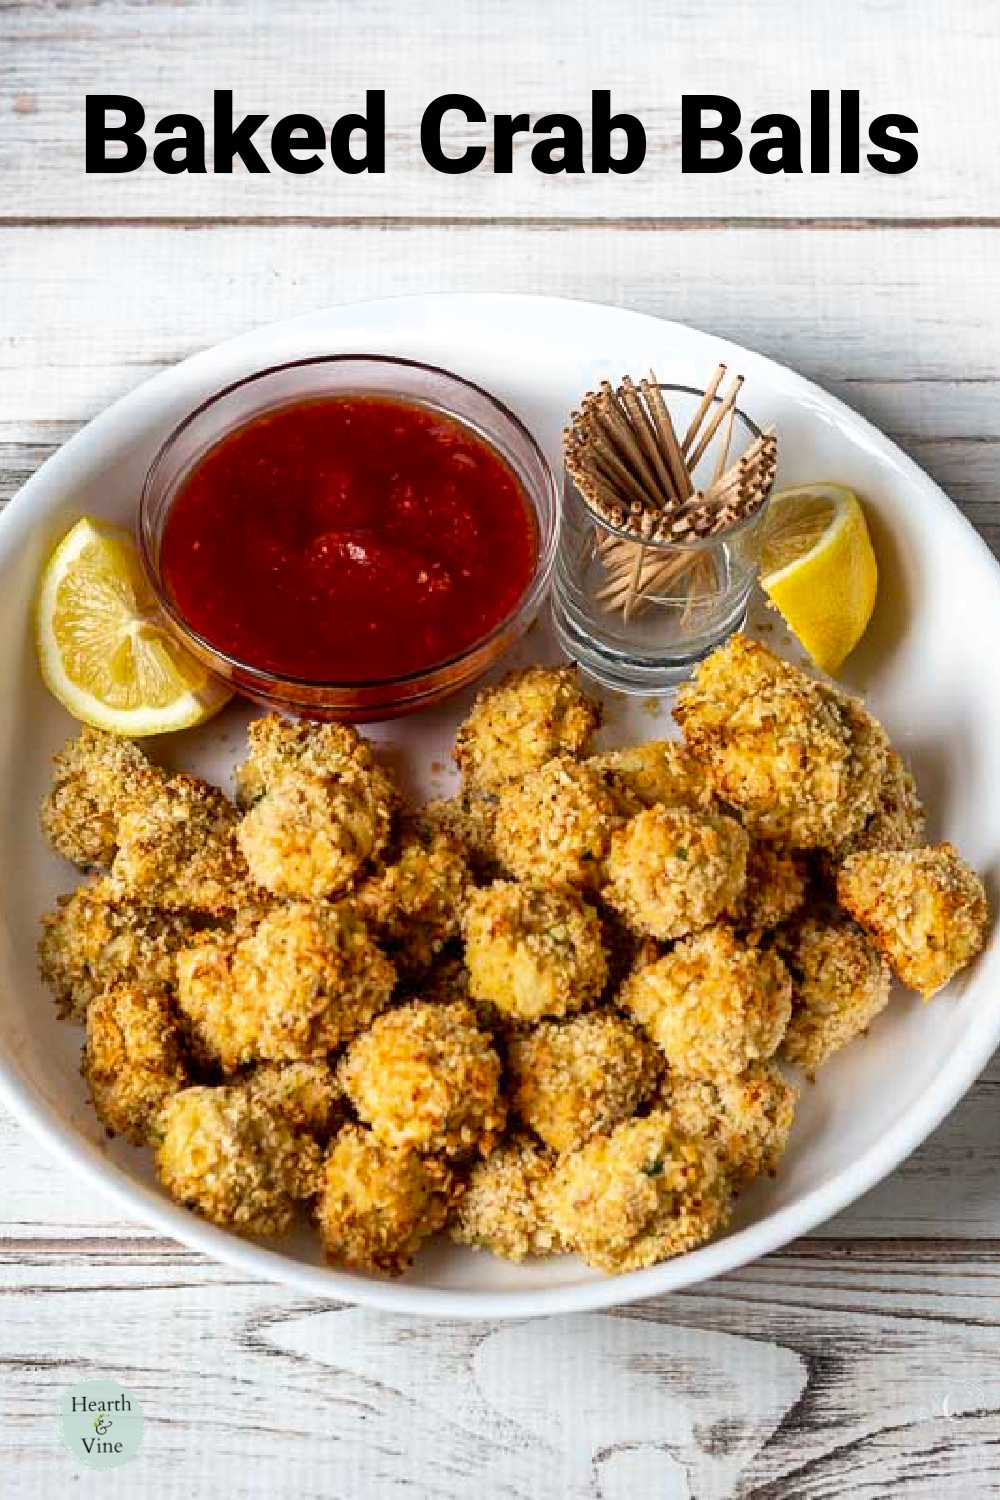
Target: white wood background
863, 1361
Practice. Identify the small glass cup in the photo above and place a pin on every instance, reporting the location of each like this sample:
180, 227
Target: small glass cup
700, 596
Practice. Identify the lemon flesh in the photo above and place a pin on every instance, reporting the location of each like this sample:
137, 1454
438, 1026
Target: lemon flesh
818, 569
104, 648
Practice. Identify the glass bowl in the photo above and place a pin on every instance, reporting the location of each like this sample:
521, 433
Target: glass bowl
283, 385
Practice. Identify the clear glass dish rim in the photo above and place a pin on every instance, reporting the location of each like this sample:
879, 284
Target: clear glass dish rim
701, 544
263, 676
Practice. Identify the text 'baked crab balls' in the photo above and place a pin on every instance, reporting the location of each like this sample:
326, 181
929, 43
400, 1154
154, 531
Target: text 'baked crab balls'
801, 763
94, 778
503, 1207
427, 1076
556, 826
578, 1078
319, 807
924, 909
532, 952
233, 1161
713, 1005
746, 1119
671, 871
840, 984
638, 1196
526, 720
305, 980
132, 1058
378, 1203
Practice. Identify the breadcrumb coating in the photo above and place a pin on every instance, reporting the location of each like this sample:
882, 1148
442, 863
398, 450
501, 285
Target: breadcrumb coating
414, 905
470, 817
776, 886
638, 1196
555, 827
177, 850
526, 720
661, 771
306, 980
94, 778
425, 1075
379, 1203
840, 984
132, 1058
308, 836
235, 1162
532, 952
713, 1005
899, 821
802, 763
671, 871
93, 941
503, 1207
746, 1119
574, 1079
306, 1094
278, 746
924, 909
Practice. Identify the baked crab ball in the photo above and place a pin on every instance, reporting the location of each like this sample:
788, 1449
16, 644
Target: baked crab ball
671, 871
306, 980
94, 778
427, 1076
93, 941
503, 1207
713, 1005
555, 827
924, 909
526, 720
776, 886
413, 905
238, 1164
132, 1058
661, 771
532, 952
378, 1203
177, 850
574, 1079
745, 1119
840, 984
638, 1196
801, 763
278, 746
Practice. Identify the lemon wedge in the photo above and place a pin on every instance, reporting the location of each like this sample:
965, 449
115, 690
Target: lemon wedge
104, 648
818, 569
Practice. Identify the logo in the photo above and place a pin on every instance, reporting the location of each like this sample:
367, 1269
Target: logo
101, 1424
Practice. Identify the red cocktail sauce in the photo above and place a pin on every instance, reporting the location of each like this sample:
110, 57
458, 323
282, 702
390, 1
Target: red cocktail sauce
348, 539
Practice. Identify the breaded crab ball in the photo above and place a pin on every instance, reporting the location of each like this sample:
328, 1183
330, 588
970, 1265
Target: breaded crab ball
94, 778
801, 763
132, 1059
713, 1005
745, 1119
278, 746
924, 909
427, 1076
233, 1161
671, 871
660, 771
526, 720
638, 1196
378, 1203
840, 984
575, 1079
93, 941
414, 905
503, 1207
532, 952
556, 826
305, 981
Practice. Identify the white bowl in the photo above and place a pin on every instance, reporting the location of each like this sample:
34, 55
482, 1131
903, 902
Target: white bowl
928, 666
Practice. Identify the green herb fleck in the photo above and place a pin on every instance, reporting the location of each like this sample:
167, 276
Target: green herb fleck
655, 1168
